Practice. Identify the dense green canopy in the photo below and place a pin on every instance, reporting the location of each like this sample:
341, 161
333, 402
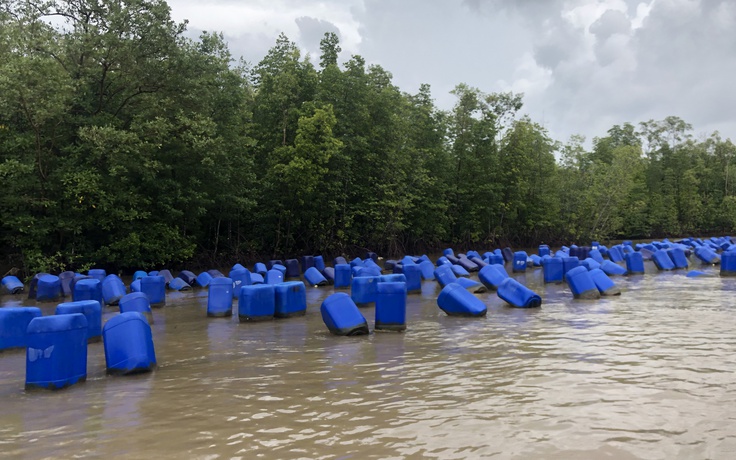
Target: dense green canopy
125, 144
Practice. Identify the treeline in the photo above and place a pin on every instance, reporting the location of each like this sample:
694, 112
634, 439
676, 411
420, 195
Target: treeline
125, 144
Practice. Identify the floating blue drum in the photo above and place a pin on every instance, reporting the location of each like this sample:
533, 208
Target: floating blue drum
97, 273
516, 294
168, 277
391, 307
188, 277
319, 263
204, 279
443, 261
468, 264
364, 290
66, 278
113, 289
291, 299
478, 261
343, 275
306, 263
237, 266
520, 258
12, 285
728, 263
590, 263
662, 260
256, 278
155, 288
138, 302
135, 286
543, 250
48, 288
292, 268
413, 276
372, 256
495, 259
139, 274
240, 277
257, 302
707, 256
605, 285
88, 289
508, 254
220, 297
459, 270
339, 260
128, 344
357, 262
568, 263
453, 260
370, 264
392, 278
279, 267
615, 254
342, 317
536, 260
582, 284
492, 276
260, 268
56, 356
679, 259
33, 285
596, 255
471, 285
448, 252
215, 273
152, 273
178, 284
612, 269
444, 275
314, 277
455, 300
91, 309
271, 263
329, 274
274, 276
553, 270
427, 269
14, 324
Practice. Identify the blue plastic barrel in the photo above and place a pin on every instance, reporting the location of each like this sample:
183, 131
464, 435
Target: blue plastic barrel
66, 279
257, 302
135, 286
468, 264
612, 269
455, 300
240, 277
220, 297
237, 266
568, 263
553, 270
392, 278
339, 260
291, 299
372, 256
14, 324
590, 264
413, 276
492, 276
444, 275
495, 259
508, 254
459, 271
679, 259
256, 278
634, 263
662, 260
516, 294
178, 284
707, 256
91, 309
203, 279
155, 288
319, 263
364, 289
214, 273
343, 276
168, 277
279, 267
543, 250
427, 270
536, 260
271, 263
329, 274
391, 307
274, 276
370, 264
306, 262
478, 261
342, 316
97, 273
128, 344
314, 277
12, 285
292, 268
260, 268
471, 285
188, 277
366, 271
728, 263
615, 254
113, 289
139, 274
88, 289
605, 285
138, 302
519, 262
596, 255
695, 273
582, 284
48, 288
32, 287
56, 356
448, 252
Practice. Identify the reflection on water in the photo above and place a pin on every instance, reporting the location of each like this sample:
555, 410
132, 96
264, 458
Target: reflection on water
649, 374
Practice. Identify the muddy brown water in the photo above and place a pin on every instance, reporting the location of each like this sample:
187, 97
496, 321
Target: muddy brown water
649, 374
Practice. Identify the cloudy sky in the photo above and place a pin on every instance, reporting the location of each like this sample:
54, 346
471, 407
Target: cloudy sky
583, 65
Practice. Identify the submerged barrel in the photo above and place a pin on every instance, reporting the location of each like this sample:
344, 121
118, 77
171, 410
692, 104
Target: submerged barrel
88, 289
364, 290
605, 285
342, 316
168, 277
459, 271
543, 250
391, 306
612, 269
329, 274
319, 263
444, 275
113, 289
97, 273
662, 260
137, 302
634, 263
33, 285
240, 277
343, 275
471, 285
291, 299
314, 277
596, 255
455, 300
257, 302
135, 286
553, 269
582, 284
467, 264
155, 288
66, 278
427, 269
178, 284
679, 259
568, 263
707, 255
12, 285
516, 294
203, 279
590, 264
220, 297
188, 277
519, 265
274, 276
292, 268
91, 309
48, 288
495, 259
14, 325
128, 344
492, 276
695, 273
508, 254
413, 276
56, 354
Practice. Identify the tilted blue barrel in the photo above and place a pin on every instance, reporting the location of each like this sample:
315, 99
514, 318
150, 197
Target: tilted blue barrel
203, 279
357, 262
319, 263
66, 279
444, 275
56, 356
370, 264
155, 288
372, 256
478, 261
392, 278
508, 254
152, 273
707, 255
339, 260
596, 255
271, 263
135, 286
138, 275
612, 269
260, 268
455, 300
634, 263
543, 250
590, 264
492, 276
443, 261
366, 271
582, 284
279, 267
364, 290
453, 260
605, 285
329, 274
97, 273
14, 325
679, 259
256, 278
274, 276
459, 271
138, 302
168, 277
213, 273
471, 285
113, 289
12, 285
495, 259
240, 277
516, 294
553, 270
696, 273
48, 288
662, 260
88, 289
342, 316
291, 299
427, 269
343, 275
728, 263
391, 307
448, 252
237, 266
178, 284
188, 277
33, 285
615, 254
519, 262
292, 268
536, 260
128, 344
568, 263
314, 277
413, 276
306, 262
257, 302
471, 254
468, 264
91, 309
220, 297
